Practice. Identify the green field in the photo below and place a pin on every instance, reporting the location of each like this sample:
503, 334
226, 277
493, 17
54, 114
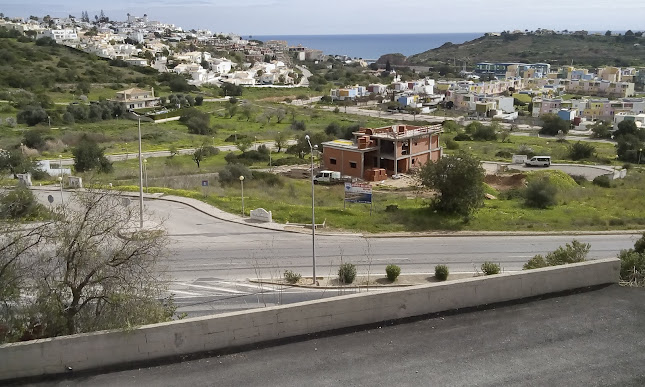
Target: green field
585, 207
488, 150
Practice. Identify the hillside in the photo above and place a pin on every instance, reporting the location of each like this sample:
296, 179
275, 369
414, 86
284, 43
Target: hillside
44, 66
590, 50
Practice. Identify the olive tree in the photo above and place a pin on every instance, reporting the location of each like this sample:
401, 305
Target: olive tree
459, 182
90, 268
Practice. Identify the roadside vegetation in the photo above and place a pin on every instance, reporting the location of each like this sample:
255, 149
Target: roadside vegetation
80, 269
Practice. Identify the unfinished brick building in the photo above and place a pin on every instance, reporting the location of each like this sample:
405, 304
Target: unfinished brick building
389, 150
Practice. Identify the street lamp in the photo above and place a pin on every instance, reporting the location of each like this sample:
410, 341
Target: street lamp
60, 180
140, 179
242, 184
60, 165
145, 170
640, 152
49, 121
313, 211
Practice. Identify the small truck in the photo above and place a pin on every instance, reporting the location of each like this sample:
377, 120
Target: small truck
329, 177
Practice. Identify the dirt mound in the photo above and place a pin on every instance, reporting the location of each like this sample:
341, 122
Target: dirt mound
506, 182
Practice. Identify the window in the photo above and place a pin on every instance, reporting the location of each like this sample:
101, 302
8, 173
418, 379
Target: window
352, 164
332, 161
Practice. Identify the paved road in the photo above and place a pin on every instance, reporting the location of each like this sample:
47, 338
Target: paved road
587, 339
588, 171
186, 151
209, 257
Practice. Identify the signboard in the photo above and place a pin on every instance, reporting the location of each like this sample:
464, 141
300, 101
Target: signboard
204, 183
358, 193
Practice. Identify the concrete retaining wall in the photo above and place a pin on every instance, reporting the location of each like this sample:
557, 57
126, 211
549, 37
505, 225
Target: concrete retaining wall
102, 349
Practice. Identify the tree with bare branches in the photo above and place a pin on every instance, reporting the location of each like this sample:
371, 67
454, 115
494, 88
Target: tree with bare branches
89, 269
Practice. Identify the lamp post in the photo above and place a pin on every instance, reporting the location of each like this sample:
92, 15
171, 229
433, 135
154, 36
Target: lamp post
236, 136
145, 170
242, 185
313, 211
256, 142
60, 180
49, 121
140, 180
60, 165
640, 152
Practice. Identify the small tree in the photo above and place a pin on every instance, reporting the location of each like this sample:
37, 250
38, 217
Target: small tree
244, 143
89, 156
459, 181
552, 125
280, 140
581, 150
540, 193
199, 155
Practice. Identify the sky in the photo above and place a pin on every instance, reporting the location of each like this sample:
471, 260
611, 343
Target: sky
325, 17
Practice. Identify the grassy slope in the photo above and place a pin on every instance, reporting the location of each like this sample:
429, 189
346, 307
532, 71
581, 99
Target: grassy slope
40, 68
554, 49
579, 207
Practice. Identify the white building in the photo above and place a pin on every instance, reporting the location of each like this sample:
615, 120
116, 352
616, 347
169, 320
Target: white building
60, 36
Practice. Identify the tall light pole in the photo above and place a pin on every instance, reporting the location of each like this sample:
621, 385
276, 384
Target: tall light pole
60, 180
313, 210
60, 165
242, 184
640, 152
140, 180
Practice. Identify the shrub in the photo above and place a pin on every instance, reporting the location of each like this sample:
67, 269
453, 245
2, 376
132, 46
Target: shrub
581, 150
462, 137
232, 172
535, 263
632, 267
441, 272
392, 272
540, 193
579, 179
346, 273
485, 133
602, 181
490, 268
292, 277
20, 203
452, 144
570, 253
504, 154
639, 246
298, 125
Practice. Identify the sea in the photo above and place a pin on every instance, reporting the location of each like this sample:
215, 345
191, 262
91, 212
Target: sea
371, 47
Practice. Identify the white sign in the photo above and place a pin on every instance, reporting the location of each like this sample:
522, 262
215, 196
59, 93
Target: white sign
519, 159
262, 215
358, 193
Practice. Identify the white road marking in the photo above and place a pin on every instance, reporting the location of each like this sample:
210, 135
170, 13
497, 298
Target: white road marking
212, 288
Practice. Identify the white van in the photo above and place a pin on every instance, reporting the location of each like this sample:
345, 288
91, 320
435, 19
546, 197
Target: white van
538, 161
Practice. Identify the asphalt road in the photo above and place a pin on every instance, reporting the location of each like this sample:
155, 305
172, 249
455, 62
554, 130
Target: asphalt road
211, 259
587, 339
